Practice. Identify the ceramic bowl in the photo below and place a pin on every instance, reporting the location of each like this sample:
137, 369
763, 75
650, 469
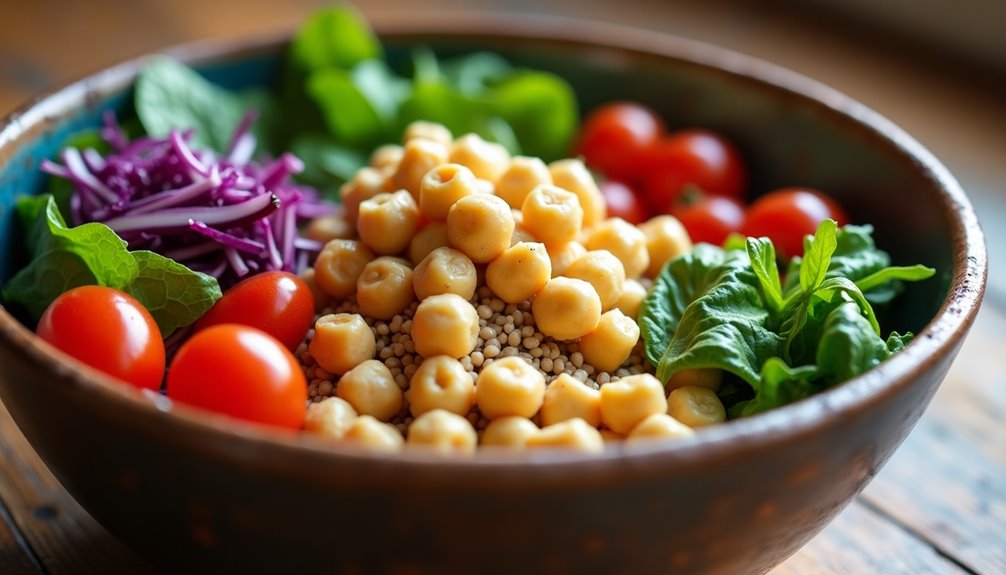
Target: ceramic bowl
199, 492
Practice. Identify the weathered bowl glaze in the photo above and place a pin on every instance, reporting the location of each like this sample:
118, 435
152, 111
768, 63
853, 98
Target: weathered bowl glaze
202, 493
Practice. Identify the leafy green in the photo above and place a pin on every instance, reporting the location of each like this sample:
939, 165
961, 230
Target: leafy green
726, 309
334, 37
541, 108
63, 258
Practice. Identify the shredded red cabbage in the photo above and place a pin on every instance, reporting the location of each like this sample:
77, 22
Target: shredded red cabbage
226, 216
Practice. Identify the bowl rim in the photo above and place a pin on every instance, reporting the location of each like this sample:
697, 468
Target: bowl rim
202, 430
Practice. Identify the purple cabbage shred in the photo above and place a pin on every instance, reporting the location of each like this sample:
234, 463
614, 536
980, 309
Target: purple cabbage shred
225, 216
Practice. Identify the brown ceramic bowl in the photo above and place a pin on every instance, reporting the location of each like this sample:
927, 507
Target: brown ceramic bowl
202, 493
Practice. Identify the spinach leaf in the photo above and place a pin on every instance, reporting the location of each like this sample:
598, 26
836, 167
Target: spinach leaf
848, 345
334, 37
541, 108
779, 384
325, 161
762, 255
63, 258
350, 116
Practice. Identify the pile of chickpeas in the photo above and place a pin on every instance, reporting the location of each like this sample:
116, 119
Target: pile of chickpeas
469, 298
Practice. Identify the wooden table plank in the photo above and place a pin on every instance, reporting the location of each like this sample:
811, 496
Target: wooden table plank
15, 554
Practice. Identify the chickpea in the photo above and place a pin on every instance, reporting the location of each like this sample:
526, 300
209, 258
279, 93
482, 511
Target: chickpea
320, 297
552, 214
521, 176
487, 160
386, 157
522, 235
563, 255
572, 433
420, 155
666, 239
431, 237
709, 378
566, 308
625, 241
572, 175
610, 344
331, 227
445, 270
330, 417
602, 270
366, 183
373, 435
371, 390
610, 436
445, 324
429, 131
509, 386
441, 382
442, 187
339, 265
632, 296
385, 288
520, 272
567, 398
387, 222
444, 432
480, 225
341, 342
696, 406
509, 431
631, 399
658, 426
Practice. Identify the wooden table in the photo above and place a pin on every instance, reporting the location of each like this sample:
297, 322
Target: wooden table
939, 506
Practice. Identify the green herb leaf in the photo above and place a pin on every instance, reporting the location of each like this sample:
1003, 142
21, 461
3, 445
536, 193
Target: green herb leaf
779, 384
349, 115
173, 294
475, 73
541, 108
895, 273
325, 161
762, 255
335, 37
848, 346
817, 256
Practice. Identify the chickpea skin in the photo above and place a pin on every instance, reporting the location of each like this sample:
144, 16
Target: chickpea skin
625, 241
552, 214
566, 308
568, 397
387, 222
372, 435
420, 155
339, 265
441, 382
445, 324
509, 431
480, 225
633, 294
571, 174
666, 239
421, 129
521, 176
431, 237
602, 270
630, 400
658, 426
366, 183
563, 255
703, 377
696, 406
387, 157
572, 433
520, 272
331, 227
509, 386
341, 342
371, 390
330, 417
445, 270
384, 288
442, 187
611, 343
444, 432
487, 160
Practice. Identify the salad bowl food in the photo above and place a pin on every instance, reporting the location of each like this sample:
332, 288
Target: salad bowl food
202, 492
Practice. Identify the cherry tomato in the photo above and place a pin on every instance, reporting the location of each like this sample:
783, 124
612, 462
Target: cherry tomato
693, 158
787, 215
710, 219
614, 138
240, 371
278, 303
622, 202
108, 330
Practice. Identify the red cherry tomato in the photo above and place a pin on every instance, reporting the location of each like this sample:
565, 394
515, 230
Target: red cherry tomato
278, 303
614, 139
693, 158
710, 219
108, 330
622, 202
787, 215
242, 372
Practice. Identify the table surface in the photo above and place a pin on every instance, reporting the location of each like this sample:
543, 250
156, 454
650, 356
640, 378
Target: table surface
939, 505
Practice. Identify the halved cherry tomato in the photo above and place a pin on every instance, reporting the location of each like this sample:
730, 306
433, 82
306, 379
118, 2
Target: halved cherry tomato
693, 158
615, 137
622, 202
710, 219
278, 303
108, 330
787, 215
240, 371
